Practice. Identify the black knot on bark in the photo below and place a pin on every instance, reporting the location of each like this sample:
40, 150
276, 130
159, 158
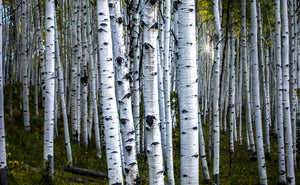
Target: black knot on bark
155, 143
150, 120
119, 20
128, 148
148, 46
119, 60
154, 26
111, 5
152, 2
123, 120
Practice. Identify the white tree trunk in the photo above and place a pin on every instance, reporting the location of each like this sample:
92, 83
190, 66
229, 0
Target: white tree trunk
109, 104
63, 101
3, 163
136, 66
290, 173
279, 110
232, 85
151, 107
250, 136
216, 76
187, 93
50, 87
25, 68
123, 93
167, 91
256, 97
84, 78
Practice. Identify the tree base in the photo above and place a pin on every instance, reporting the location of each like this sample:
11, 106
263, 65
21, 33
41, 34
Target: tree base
3, 176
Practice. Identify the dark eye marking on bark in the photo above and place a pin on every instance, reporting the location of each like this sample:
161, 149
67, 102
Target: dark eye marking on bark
150, 120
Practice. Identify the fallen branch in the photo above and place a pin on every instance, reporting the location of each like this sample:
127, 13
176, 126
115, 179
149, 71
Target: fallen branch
74, 179
82, 171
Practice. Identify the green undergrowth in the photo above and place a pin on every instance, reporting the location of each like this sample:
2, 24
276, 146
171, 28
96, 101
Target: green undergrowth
27, 148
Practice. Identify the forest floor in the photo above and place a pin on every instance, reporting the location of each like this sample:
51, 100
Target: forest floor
27, 148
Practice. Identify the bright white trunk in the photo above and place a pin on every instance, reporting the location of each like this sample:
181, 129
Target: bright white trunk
151, 107
232, 89
50, 86
123, 93
256, 97
167, 91
290, 172
136, 66
279, 110
107, 85
217, 61
187, 93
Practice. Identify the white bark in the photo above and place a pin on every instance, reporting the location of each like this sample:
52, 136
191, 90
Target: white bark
50, 86
256, 97
123, 93
151, 107
63, 101
232, 85
217, 64
109, 105
167, 91
187, 93
136, 66
25, 68
84, 74
290, 172
279, 110
246, 77
3, 163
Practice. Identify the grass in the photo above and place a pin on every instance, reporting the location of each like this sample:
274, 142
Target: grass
27, 148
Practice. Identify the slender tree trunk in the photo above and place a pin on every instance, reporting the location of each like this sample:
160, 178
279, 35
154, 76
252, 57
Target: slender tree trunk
25, 68
63, 100
279, 109
256, 97
3, 163
286, 95
151, 107
217, 64
50, 88
136, 67
167, 91
123, 93
109, 105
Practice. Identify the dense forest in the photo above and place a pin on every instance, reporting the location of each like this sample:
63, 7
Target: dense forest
149, 92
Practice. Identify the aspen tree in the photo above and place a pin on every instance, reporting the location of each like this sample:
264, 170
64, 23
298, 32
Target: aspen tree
123, 93
63, 100
136, 67
109, 104
246, 81
217, 61
256, 96
290, 172
150, 91
3, 163
50, 87
25, 68
188, 93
